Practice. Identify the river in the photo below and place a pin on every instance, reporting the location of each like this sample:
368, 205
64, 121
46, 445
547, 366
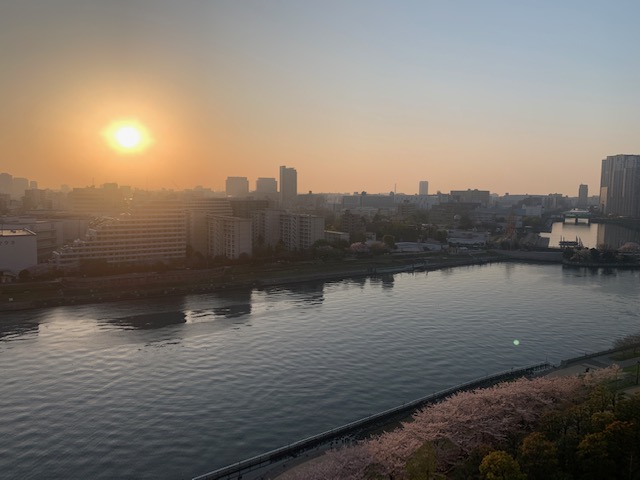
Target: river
173, 388
591, 235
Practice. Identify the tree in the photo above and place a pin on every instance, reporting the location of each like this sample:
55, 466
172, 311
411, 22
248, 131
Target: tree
441, 236
594, 458
389, 241
465, 222
538, 457
499, 465
94, 267
24, 275
609, 256
422, 465
159, 266
379, 248
461, 426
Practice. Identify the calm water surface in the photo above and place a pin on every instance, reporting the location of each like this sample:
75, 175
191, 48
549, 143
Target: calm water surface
591, 235
174, 388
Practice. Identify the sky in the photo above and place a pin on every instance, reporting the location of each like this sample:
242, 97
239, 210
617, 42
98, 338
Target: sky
518, 97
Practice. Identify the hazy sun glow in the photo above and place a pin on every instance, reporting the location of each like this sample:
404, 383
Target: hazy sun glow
127, 136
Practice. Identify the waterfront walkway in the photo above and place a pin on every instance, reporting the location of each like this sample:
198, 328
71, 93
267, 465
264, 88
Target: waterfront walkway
280, 468
271, 464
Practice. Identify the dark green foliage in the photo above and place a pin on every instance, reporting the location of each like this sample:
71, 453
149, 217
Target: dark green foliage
423, 464
499, 465
538, 457
596, 439
469, 468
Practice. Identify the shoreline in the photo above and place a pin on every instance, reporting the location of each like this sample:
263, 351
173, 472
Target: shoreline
283, 469
94, 290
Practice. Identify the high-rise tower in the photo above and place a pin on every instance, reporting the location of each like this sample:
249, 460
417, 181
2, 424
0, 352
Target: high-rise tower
288, 184
583, 196
620, 185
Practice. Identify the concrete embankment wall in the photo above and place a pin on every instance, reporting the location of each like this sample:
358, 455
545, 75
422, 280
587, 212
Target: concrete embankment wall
360, 427
525, 256
407, 265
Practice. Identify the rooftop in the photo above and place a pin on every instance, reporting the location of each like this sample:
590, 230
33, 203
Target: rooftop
20, 232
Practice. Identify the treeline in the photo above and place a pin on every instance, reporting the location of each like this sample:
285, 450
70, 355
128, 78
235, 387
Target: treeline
577, 427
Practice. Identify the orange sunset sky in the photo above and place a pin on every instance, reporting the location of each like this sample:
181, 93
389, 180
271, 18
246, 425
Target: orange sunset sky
519, 97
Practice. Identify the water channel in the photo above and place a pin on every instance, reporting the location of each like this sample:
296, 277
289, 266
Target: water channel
591, 235
175, 387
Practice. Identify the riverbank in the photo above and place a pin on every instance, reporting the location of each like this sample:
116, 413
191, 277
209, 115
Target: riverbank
285, 470
87, 290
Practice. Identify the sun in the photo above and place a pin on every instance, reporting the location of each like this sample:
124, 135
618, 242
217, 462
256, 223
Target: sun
127, 136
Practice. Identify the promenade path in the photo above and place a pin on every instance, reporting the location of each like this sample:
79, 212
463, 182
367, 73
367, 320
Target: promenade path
577, 366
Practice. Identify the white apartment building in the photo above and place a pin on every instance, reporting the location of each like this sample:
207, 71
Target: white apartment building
229, 236
298, 231
154, 230
18, 250
198, 210
49, 233
266, 226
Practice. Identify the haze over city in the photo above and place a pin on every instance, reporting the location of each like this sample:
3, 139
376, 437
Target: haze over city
355, 95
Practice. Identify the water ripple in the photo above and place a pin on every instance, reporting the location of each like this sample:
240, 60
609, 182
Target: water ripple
177, 387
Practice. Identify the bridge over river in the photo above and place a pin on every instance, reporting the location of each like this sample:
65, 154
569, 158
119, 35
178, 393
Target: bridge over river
577, 216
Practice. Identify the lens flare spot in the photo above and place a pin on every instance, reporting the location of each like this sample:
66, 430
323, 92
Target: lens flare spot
516, 342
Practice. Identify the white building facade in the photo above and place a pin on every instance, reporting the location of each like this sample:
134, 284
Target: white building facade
229, 237
18, 250
300, 231
297, 231
154, 231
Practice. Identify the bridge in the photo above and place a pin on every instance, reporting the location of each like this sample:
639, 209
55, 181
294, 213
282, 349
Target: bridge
577, 216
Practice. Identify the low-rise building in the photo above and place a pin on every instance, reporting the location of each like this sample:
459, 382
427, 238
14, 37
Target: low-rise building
332, 236
49, 233
18, 250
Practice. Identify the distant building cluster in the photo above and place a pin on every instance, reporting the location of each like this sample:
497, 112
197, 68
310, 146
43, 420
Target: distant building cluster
119, 225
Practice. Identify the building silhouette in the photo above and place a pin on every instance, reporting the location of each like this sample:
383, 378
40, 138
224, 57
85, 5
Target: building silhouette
153, 231
6, 183
483, 197
423, 188
229, 237
266, 185
288, 184
620, 185
295, 231
237, 186
198, 209
583, 196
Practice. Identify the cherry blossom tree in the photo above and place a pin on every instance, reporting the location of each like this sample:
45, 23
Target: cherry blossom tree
455, 427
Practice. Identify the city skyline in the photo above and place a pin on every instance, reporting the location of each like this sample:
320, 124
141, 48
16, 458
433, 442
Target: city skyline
355, 96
